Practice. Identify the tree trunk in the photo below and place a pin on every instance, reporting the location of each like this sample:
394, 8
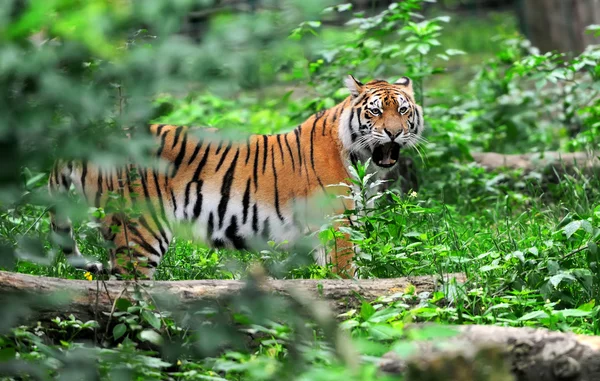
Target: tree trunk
559, 24
500, 353
94, 299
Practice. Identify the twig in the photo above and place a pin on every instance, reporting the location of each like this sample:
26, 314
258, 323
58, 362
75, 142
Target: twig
157, 309
582, 248
114, 305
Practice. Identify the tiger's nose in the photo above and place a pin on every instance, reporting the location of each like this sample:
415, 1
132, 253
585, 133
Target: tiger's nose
391, 134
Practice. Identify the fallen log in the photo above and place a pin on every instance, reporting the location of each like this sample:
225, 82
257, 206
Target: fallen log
500, 353
558, 161
94, 299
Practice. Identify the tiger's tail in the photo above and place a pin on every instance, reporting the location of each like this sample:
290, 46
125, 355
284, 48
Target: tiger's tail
59, 183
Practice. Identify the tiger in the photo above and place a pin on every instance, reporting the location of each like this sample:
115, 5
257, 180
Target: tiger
233, 192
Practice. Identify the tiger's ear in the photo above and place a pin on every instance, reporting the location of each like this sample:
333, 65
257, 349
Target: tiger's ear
354, 85
405, 82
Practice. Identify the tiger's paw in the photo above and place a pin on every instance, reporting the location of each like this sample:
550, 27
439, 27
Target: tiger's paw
96, 268
93, 267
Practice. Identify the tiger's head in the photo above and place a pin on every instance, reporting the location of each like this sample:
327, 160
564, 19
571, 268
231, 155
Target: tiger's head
382, 119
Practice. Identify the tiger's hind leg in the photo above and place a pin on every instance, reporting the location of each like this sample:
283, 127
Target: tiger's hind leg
137, 245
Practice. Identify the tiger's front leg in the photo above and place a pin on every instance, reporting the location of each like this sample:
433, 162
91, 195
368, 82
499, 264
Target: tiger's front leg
62, 229
138, 244
342, 254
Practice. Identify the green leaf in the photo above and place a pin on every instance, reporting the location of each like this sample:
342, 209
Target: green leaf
7, 354
151, 336
384, 332
122, 304
366, 310
556, 279
432, 332
487, 268
151, 319
119, 330
384, 315
534, 315
572, 227
423, 49
593, 248
589, 306
573, 313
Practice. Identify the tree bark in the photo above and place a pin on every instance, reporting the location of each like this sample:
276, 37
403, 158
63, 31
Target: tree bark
94, 299
480, 352
559, 24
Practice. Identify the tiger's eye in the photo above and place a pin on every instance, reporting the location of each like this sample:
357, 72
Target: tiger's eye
403, 110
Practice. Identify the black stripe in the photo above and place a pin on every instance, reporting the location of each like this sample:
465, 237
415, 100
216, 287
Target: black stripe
266, 232
280, 148
196, 178
312, 140
120, 182
195, 153
223, 156
159, 195
255, 218
163, 138
177, 134
276, 188
163, 245
98, 188
353, 135
174, 202
211, 226
266, 150
84, 170
186, 199
330, 111
232, 233
226, 188
199, 198
143, 180
290, 150
159, 129
55, 171
256, 167
358, 112
361, 97
219, 148
246, 202
202, 163
218, 243
180, 156
298, 131
111, 186
142, 241
247, 149
64, 182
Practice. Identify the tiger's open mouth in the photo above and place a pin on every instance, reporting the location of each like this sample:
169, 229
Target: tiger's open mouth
386, 155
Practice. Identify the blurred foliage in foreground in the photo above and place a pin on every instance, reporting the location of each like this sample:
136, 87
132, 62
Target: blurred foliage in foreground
106, 68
